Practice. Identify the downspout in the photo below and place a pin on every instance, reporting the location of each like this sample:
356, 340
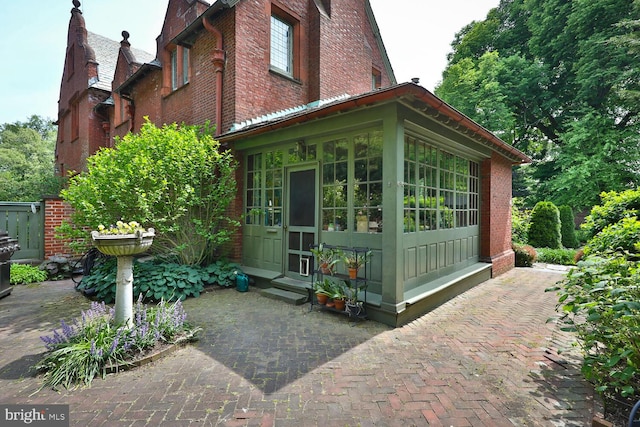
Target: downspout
217, 57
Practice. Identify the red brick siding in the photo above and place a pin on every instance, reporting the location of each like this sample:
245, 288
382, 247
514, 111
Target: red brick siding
495, 214
56, 212
345, 53
146, 101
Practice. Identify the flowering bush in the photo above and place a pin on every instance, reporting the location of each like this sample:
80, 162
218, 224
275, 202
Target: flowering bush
121, 228
92, 344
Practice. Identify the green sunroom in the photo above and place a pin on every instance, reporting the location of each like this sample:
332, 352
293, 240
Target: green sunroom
396, 171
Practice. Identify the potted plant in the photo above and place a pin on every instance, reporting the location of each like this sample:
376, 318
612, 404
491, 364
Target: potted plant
326, 258
339, 295
323, 290
354, 260
354, 307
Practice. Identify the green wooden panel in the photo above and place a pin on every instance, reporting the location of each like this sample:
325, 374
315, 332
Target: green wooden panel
24, 221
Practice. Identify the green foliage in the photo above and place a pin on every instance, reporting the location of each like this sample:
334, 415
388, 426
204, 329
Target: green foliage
614, 207
557, 256
544, 231
27, 160
25, 274
558, 80
221, 273
600, 298
90, 345
520, 219
623, 236
158, 280
173, 179
600, 301
525, 255
568, 227
324, 287
326, 258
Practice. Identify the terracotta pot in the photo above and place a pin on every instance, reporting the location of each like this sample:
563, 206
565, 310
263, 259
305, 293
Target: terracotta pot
322, 299
324, 268
339, 304
353, 273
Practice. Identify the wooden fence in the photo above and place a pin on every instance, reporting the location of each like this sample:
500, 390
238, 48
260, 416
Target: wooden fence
24, 221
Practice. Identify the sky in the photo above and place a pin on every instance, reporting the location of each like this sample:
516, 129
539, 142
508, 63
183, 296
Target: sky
417, 35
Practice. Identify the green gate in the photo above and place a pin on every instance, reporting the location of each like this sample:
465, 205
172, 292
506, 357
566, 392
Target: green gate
24, 221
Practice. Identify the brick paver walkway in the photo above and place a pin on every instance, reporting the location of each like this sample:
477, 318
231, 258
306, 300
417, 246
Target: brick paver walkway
485, 358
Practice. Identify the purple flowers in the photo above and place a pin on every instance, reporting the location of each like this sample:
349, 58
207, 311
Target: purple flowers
80, 350
161, 323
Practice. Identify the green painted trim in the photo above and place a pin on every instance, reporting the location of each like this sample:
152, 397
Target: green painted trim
314, 130
442, 136
392, 205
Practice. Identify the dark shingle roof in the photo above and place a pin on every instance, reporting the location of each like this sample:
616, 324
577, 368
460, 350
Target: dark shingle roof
106, 51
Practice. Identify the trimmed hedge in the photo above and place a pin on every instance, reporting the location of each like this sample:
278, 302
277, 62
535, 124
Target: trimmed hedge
544, 231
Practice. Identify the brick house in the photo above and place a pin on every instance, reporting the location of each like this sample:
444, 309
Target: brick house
303, 93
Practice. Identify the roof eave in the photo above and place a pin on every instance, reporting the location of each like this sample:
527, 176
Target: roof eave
386, 95
146, 68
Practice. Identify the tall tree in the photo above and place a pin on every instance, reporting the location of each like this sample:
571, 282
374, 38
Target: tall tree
562, 77
27, 160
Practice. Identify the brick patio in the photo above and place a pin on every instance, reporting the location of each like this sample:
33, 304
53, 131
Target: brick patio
485, 358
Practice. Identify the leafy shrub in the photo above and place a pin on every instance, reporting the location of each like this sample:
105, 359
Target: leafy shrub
90, 345
25, 274
158, 280
176, 180
582, 236
519, 222
621, 236
601, 302
614, 207
567, 227
221, 273
557, 256
544, 231
525, 255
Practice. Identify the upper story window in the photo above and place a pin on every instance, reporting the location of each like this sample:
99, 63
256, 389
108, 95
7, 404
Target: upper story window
179, 58
376, 79
281, 45
185, 65
174, 69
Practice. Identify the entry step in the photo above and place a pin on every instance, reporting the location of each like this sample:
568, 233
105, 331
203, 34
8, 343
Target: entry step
282, 295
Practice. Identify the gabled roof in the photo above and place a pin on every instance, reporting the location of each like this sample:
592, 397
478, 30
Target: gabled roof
410, 94
106, 51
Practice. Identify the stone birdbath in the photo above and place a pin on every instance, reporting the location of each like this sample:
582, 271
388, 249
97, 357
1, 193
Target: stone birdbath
124, 240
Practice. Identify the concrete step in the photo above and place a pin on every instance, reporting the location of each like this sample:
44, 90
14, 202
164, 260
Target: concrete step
293, 285
286, 296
